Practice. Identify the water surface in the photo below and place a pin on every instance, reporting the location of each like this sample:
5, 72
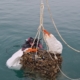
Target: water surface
19, 19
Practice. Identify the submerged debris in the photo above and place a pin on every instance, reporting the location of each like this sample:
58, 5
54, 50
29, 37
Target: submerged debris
42, 65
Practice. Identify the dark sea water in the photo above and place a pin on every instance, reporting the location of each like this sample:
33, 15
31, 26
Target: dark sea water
19, 19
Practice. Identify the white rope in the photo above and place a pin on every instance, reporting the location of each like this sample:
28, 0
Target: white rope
57, 29
35, 38
38, 38
41, 14
66, 75
62, 71
40, 27
62, 40
46, 43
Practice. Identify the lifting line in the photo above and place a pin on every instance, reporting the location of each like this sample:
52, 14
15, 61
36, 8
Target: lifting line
62, 71
40, 28
58, 30
62, 40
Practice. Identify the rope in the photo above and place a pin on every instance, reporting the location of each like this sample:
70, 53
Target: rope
45, 42
38, 38
41, 13
35, 38
66, 75
62, 71
58, 30
62, 40
41, 25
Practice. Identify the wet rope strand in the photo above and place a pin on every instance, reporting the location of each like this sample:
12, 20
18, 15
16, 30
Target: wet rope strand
62, 40
58, 30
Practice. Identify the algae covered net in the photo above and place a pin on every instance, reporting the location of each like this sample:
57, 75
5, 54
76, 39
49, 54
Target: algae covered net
43, 65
